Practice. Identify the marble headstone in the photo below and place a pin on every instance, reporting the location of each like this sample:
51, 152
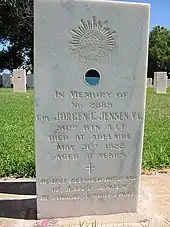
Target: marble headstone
149, 83
30, 80
168, 82
19, 80
160, 82
154, 81
90, 90
1, 85
6, 80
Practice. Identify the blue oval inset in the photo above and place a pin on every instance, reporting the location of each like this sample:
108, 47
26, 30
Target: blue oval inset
92, 77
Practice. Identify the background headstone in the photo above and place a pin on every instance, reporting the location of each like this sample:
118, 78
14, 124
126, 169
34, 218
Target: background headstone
90, 83
11, 80
160, 82
19, 80
149, 83
168, 82
1, 85
30, 81
6, 80
154, 81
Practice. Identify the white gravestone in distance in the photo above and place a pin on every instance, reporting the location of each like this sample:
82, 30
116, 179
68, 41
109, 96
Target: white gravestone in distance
12, 81
90, 90
6, 80
154, 81
19, 80
30, 80
168, 82
160, 82
1, 85
149, 83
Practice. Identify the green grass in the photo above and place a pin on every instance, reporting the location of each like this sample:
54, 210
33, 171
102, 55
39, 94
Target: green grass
16, 134
17, 156
156, 153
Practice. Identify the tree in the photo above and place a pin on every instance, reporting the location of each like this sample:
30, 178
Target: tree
159, 50
16, 28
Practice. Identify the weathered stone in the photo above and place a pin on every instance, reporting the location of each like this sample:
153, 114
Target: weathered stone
90, 82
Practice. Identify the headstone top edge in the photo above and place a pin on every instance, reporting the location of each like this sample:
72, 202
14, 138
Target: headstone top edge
102, 1
160, 72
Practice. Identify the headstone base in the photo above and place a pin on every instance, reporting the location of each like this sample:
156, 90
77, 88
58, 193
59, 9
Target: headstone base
152, 209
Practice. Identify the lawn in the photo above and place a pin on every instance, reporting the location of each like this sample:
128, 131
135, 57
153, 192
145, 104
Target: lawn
17, 133
156, 153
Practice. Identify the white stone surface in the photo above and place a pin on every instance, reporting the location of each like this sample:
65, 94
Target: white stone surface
149, 83
168, 82
89, 139
154, 81
19, 80
30, 80
6, 80
160, 82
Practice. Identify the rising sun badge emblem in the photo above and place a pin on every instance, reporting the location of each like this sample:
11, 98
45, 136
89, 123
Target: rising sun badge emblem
93, 41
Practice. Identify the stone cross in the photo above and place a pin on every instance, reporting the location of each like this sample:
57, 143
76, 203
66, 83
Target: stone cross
90, 168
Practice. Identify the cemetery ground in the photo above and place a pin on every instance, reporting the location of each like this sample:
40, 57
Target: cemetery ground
17, 133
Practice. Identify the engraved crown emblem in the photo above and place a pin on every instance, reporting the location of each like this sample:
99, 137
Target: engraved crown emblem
93, 41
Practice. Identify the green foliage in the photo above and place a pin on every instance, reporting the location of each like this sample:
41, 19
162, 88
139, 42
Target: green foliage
159, 50
16, 28
17, 133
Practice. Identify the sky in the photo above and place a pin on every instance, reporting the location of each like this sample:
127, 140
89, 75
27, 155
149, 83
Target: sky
160, 12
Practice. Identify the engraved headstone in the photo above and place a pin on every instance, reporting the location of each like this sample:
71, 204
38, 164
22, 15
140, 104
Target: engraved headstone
90, 82
6, 80
160, 82
149, 83
19, 80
